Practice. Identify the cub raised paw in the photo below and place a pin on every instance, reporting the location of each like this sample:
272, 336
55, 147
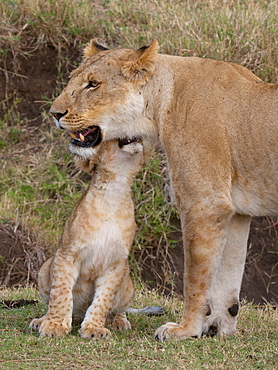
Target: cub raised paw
94, 332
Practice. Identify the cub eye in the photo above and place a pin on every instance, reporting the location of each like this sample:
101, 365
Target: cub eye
92, 85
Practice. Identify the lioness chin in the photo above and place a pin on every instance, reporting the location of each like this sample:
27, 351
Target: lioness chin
218, 124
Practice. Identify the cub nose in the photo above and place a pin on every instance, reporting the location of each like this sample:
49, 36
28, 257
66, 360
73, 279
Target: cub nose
58, 115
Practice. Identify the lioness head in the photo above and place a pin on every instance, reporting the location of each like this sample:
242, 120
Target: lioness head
104, 97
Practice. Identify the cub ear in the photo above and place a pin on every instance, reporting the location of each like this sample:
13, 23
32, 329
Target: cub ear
93, 47
142, 63
86, 165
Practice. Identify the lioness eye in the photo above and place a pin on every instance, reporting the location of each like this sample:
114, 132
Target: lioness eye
92, 85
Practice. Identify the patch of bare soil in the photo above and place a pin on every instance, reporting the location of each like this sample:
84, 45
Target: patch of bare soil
163, 269
32, 80
20, 256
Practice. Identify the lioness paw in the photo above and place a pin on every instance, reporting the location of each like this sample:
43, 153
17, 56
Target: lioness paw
93, 332
175, 331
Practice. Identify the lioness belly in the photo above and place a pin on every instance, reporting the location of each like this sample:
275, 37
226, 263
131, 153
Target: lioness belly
254, 204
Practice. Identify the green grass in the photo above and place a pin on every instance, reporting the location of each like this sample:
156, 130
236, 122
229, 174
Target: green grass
38, 184
254, 347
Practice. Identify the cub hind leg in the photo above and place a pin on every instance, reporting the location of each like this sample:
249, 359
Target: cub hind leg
121, 303
44, 282
223, 304
109, 290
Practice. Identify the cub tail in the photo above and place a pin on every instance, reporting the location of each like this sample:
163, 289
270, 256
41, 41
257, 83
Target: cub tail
149, 311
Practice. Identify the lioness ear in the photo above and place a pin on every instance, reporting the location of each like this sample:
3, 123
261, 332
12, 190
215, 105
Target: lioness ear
93, 47
141, 64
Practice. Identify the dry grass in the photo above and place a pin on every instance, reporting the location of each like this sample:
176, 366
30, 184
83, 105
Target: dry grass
237, 30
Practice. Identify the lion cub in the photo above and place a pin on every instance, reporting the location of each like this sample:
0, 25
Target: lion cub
89, 274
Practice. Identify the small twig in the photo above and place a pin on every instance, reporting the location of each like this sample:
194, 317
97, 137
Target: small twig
13, 73
9, 304
26, 359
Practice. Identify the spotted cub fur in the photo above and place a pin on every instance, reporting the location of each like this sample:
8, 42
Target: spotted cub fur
89, 273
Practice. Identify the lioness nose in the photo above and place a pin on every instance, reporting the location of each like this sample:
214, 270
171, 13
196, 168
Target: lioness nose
58, 115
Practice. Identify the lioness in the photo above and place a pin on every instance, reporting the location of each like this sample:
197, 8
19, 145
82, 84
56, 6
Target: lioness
218, 124
89, 274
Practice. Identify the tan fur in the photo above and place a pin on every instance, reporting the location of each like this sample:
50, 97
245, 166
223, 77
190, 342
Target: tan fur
89, 274
218, 124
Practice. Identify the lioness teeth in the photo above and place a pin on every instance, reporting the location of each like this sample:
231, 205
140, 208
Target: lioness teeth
82, 138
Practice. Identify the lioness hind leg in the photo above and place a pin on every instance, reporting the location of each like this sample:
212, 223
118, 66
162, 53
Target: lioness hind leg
223, 305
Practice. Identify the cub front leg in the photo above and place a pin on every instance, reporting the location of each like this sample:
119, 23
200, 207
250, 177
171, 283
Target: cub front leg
204, 233
57, 321
106, 288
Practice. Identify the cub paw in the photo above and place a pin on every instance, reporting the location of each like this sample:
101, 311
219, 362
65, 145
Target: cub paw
93, 332
52, 328
120, 322
175, 331
36, 323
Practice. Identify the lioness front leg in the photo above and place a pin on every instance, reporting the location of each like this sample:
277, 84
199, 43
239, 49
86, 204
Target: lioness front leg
106, 288
204, 233
57, 321
223, 304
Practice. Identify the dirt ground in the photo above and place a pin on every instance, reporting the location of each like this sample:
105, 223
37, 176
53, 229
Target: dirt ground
33, 80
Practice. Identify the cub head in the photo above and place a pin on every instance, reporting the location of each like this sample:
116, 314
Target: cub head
122, 157
103, 99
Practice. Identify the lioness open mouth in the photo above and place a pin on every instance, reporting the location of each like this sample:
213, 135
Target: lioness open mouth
87, 138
